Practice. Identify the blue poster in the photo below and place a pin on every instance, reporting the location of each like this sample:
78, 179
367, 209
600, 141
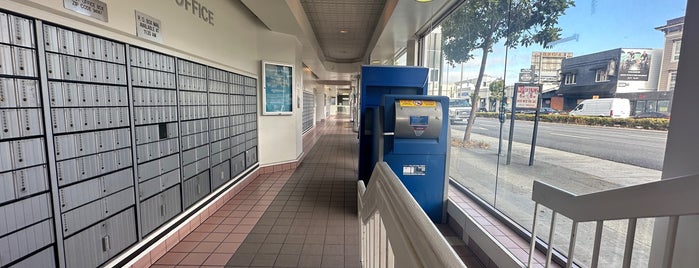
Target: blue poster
278, 86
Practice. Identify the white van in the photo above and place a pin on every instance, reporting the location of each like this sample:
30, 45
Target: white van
611, 107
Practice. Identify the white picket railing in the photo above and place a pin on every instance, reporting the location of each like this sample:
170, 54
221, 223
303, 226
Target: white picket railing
665, 198
395, 231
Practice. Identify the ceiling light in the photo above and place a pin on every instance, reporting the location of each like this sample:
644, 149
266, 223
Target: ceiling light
344, 31
423, 1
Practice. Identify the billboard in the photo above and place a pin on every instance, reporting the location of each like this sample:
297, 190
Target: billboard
527, 95
634, 64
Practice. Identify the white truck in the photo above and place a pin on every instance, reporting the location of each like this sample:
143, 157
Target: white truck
608, 107
459, 110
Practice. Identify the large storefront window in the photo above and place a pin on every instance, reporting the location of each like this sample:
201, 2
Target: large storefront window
569, 49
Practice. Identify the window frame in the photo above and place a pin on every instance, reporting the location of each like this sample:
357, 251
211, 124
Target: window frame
601, 75
671, 80
570, 79
676, 48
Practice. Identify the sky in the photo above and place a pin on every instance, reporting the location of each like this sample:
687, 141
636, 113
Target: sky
601, 25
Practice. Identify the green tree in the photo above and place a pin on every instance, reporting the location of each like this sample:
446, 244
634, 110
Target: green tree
478, 24
496, 90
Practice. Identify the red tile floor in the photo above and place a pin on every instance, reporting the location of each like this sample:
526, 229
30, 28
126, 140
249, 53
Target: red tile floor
305, 217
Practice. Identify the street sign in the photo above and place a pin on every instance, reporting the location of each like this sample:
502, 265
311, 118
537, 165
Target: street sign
527, 96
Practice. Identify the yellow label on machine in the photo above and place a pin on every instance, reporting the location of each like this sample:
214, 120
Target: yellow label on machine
417, 103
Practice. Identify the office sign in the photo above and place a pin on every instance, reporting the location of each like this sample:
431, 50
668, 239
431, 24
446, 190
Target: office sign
148, 28
91, 8
277, 88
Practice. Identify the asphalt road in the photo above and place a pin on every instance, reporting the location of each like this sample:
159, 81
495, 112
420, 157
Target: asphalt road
638, 147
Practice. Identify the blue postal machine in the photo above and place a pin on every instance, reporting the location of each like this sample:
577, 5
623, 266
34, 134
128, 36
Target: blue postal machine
401, 125
416, 144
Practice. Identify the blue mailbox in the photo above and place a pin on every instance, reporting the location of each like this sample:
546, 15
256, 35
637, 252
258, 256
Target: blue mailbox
415, 146
377, 81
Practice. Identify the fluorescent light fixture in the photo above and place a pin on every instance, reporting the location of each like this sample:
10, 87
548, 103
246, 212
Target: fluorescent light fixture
423, 1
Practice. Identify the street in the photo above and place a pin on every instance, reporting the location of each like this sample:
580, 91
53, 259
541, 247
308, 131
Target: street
643, 148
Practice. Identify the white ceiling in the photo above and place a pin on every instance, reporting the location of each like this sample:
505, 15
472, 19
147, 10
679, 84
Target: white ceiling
376, 30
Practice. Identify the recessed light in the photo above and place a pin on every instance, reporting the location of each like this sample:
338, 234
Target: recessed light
423, 1
344, 31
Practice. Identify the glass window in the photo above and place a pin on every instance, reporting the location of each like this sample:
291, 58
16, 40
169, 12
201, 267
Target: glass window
673, 78
569, 69
676, 49
601, 75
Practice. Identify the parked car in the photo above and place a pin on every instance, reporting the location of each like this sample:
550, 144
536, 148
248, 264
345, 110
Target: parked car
651, 115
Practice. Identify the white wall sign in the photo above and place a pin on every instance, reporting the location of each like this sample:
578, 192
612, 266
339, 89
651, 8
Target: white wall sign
91, 8
148, 28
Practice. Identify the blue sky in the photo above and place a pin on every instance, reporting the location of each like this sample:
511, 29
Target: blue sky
600, 24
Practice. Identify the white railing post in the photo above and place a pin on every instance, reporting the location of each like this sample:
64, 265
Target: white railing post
552, 231
628, 250
670, 242
598, 244
532, 246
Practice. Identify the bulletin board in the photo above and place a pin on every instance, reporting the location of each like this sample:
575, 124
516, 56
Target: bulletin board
277, 84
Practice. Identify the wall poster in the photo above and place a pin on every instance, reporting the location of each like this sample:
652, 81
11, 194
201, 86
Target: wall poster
277, 91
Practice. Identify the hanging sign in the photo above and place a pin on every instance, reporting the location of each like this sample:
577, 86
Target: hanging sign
148, 28
91, 8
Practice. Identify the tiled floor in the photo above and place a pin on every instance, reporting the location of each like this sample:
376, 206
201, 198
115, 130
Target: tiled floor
307, 218
301, 218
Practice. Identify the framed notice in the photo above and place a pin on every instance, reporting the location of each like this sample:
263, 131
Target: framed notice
527, 95
277, 86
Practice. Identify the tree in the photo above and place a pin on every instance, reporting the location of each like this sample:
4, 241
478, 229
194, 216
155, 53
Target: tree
496, 90
478, 24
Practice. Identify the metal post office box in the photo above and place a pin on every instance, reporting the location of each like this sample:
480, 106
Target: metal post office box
65, 147
122, 95
154, 132
85, 143
50, 38
9, 121
151, 210
30, 181
105, 140
108, 73
189, 156
81, 45
120, 74
27, 92
85, 95
24, 60
115, 182
70, 95
138, 118
96, 71
82, 68
124, 117
66, 171
122, 138
101, 118
82, 217
44, 258
66, 41
141, 134
85, 167
95, 48
142, 154
138, 98
119, 52
79, 194
99, 95
135, 77
8, 96
107, 50
169, 163
189, 170
55, 93
154, 150
30, 122
215, 158
53, 64
170, 178
148, 170
141, 57
113, 117
106, 162
149, 188
6, 179
111, 95
87, 118
164, 146
174, 145
124, 158
6, 65
58, 120
21, 31
26, 153
68, 67
26, 241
